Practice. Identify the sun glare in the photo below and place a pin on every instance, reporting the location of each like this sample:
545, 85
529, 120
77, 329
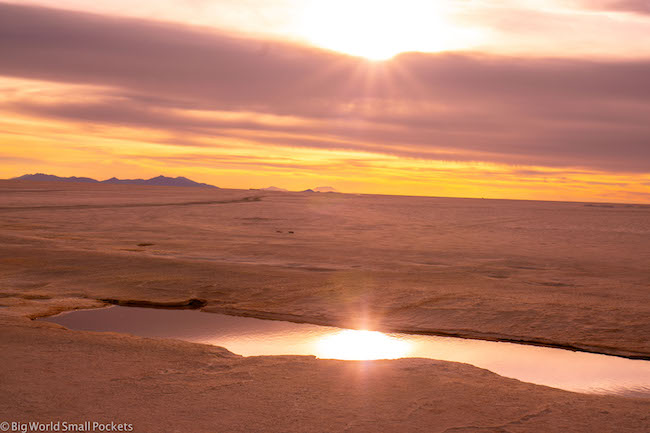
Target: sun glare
380, 29
361, 345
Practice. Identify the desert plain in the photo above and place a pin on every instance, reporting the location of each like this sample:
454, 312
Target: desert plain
568, 275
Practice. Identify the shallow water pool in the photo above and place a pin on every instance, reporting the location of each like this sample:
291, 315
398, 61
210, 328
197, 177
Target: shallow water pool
558, 368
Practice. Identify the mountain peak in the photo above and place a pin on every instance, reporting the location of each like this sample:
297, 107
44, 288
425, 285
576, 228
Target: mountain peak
325, 189
50, 177
156, 181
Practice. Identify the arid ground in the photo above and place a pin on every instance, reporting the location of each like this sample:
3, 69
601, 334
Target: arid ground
563, 274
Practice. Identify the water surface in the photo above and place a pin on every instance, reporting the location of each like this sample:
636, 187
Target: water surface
558, 368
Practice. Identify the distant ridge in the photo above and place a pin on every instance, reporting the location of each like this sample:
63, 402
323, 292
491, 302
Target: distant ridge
155, 181
317, 189
325, 189
159, 181
51, 177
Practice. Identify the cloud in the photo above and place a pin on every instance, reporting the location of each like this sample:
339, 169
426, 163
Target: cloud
549, 112
636, 6
8, 159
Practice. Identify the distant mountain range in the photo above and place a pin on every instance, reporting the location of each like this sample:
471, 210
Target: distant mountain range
317, 189
325, 189
156, 181
321, 189
274, 188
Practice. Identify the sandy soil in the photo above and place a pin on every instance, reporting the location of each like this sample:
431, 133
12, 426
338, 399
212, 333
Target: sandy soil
566, 274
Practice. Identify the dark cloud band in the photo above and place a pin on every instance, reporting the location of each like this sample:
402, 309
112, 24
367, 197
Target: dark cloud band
551, 112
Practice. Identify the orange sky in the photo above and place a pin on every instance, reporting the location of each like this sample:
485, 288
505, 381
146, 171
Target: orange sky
504, 99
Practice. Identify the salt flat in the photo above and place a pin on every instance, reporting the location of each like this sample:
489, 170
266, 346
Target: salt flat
49, 373
565, 274
572, 274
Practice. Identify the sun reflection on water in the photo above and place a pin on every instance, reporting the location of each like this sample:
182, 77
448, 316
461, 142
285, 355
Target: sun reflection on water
361, 345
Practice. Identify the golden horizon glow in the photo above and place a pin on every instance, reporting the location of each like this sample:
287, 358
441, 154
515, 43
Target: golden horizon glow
354, 345
381, 29
244, 149
100, 151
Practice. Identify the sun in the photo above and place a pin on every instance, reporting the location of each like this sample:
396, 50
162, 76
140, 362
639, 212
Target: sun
380, 29
361, 345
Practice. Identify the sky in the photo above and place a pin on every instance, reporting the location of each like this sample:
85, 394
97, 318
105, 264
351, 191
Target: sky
528, 99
